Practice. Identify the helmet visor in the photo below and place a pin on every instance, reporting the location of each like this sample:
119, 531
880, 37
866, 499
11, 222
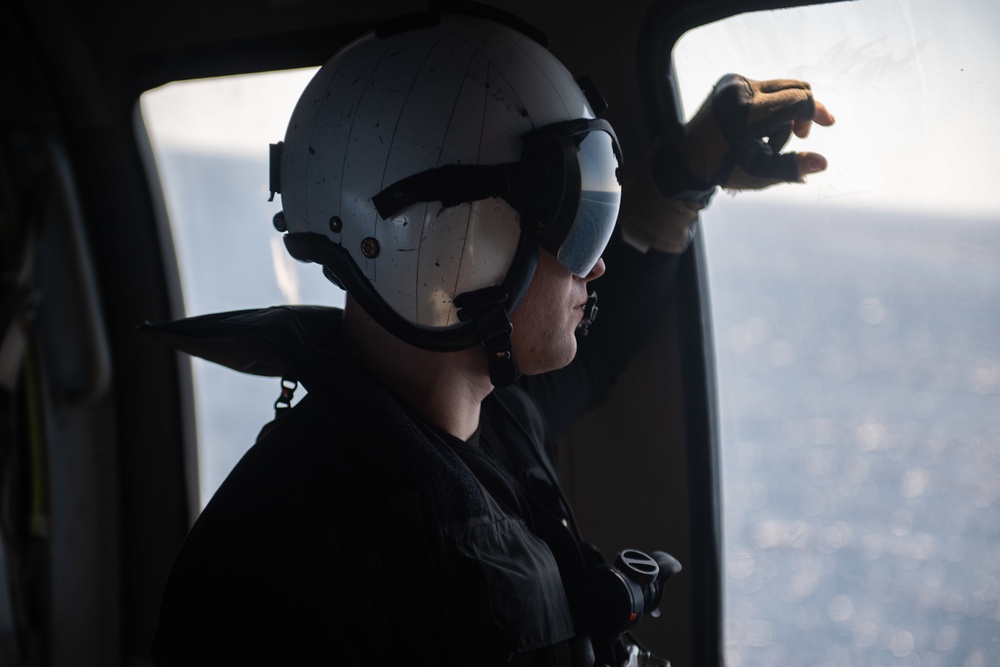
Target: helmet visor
597, 211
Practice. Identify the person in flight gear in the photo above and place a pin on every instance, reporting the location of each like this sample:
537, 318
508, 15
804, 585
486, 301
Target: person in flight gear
451, 175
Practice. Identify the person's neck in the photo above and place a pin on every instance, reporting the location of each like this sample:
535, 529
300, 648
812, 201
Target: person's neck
444, 388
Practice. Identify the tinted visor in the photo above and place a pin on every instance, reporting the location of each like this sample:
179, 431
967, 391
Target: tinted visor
571, 204
597, 211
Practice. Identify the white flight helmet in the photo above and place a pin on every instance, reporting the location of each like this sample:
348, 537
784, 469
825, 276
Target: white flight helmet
424, 167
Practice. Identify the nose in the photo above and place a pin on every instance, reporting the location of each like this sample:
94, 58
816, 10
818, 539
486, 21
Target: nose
596, 272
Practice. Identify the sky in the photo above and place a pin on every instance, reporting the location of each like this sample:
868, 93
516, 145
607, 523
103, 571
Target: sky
237, 115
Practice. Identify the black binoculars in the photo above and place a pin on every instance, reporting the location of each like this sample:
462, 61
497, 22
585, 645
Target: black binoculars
617, 596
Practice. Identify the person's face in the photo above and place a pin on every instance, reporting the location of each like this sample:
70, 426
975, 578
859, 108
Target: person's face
545, 322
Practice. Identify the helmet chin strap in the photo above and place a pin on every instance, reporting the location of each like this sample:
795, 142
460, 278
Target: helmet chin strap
487, 309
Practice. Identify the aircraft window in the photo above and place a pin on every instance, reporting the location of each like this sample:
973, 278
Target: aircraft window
855, 332
210, 141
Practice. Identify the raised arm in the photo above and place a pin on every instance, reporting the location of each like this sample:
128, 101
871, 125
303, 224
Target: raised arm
733, 141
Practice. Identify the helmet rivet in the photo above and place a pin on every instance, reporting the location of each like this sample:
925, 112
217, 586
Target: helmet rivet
336, 224
370, 248
279, 221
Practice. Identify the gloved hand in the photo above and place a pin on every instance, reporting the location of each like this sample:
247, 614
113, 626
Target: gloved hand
734, 140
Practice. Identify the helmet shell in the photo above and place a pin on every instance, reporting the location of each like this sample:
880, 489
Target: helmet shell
461, 92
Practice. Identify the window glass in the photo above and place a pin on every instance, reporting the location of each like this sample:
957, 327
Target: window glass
856, 323
210, 140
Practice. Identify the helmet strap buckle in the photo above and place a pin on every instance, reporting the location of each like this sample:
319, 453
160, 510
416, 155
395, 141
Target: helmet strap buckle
487, 309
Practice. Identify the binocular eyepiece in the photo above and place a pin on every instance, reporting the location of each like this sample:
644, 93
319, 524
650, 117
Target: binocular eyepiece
617, 596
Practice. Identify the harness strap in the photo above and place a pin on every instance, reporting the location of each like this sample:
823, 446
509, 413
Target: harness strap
487, 309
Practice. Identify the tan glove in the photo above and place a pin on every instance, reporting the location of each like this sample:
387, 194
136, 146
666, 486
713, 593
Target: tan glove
734, 141
735, 138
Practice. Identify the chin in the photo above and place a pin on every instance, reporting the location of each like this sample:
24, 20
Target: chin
544, 361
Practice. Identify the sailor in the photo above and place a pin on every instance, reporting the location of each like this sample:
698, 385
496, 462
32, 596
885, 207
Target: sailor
453, 177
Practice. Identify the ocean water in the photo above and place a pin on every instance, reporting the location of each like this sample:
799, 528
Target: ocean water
858, 356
